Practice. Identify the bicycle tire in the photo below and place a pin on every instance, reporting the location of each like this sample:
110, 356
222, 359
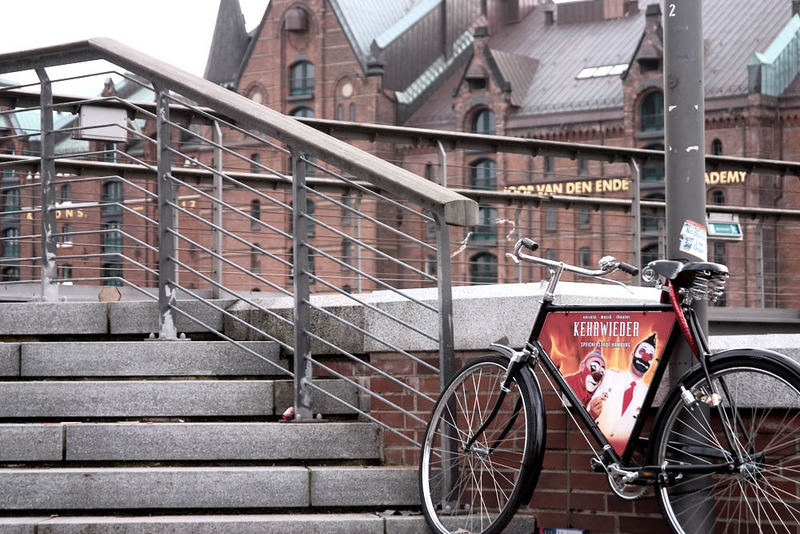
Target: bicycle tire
760, 405
489, 486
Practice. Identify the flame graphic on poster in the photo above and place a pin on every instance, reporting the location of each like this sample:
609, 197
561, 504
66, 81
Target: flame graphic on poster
608, 359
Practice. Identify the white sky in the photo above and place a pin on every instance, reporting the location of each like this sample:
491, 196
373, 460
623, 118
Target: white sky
176, 31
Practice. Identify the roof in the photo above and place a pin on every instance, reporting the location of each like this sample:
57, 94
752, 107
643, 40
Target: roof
228, 45
518, 71
364, 20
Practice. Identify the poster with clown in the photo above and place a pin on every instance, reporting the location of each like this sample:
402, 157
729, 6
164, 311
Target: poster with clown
608, 359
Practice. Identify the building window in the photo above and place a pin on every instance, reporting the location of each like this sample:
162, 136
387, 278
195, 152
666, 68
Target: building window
431, 266
552, 254
486, 230
66, 235
651, 216
66, 193
716, 147
653, 112
112, 271
255, 214
65, 273
347, 252
483, 269
11, 274
550, 218
549, 166
340, 112
302, 111
112, 197
112, 241
255, 163
583, 167
11, 242
584, 257
429, 172
649, 253
483, 174
483, 122
301, 79
347, 215
584, 218
718, 197
255, 259
352, 112
653, 171
110, 153
11, 202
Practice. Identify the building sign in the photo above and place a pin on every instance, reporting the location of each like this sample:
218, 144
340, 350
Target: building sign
63, 214
578, 187
725, 177
610, 185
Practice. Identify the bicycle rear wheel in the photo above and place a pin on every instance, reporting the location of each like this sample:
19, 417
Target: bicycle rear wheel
480, 489
759, 405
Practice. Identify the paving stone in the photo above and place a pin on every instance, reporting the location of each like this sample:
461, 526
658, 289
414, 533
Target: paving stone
320, 402
53, 318
9, 359
136, 398
218, 524
148, 358
30, 443
154, 488
222, 441
364, 486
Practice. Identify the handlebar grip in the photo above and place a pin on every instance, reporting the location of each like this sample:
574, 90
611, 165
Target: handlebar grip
530, 244
628, 268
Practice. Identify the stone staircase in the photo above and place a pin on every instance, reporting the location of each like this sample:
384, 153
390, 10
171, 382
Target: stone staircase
104, 431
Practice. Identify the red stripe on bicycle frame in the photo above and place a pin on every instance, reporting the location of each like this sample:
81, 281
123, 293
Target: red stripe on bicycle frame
687, 334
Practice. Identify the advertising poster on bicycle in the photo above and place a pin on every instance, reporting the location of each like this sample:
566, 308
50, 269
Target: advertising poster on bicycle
608, 359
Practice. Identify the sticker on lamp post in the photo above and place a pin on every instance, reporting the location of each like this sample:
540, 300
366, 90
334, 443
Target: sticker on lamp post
694, 240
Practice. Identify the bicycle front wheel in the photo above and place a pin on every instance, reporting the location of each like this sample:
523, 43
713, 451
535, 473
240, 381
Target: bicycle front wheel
753, 427
479, 488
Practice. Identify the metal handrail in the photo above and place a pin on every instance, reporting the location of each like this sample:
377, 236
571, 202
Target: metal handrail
457, 209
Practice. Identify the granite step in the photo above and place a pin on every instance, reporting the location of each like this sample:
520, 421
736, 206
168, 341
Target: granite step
126, 399
202, 442
55, 490
143, 358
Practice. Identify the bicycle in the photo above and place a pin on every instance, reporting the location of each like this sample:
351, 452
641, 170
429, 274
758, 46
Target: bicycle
723, 454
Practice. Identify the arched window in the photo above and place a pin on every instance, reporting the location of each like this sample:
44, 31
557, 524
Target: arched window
718, 196
352, 112
483, 268
483, 174
716, 147
340, 112
652, 112
483, 122
486, 230
301, 79
302, 111
255, 213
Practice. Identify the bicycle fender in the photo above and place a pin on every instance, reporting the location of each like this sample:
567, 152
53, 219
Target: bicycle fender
503, 350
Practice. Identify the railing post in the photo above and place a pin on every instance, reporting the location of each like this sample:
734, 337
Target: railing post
167, 241
446, 355
216, 214
302, 315
636, 215
442, 163
48, 172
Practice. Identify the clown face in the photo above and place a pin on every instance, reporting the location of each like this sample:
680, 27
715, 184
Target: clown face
643, 355
593, 368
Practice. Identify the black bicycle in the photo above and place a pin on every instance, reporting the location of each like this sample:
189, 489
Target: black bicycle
723, 454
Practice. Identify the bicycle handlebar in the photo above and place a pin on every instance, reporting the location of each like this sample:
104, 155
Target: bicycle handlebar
608, 264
